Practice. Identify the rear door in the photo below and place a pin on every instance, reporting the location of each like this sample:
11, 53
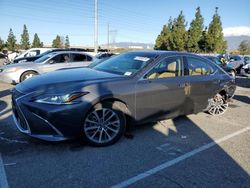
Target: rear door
161, 92
200, 75
79, 60
60, 61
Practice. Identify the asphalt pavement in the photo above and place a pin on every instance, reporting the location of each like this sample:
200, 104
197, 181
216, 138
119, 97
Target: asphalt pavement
191, 151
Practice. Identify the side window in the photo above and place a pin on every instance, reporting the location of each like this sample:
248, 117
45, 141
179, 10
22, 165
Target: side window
198, 67
89, 58
169, 67
61, 58
33, 53
78, 57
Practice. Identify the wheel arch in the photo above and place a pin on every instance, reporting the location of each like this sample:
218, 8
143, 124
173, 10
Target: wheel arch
31, 70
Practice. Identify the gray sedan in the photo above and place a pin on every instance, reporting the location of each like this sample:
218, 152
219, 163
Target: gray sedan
17, 73
131, 88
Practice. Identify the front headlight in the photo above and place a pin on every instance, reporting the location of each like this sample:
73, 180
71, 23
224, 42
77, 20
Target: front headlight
10, 70
61, 99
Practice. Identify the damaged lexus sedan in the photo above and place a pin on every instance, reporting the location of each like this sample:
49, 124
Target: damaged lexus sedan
131, 88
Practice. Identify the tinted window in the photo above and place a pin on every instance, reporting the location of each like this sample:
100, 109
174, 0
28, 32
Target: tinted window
198, 67
78, 57
169, 67
62, 58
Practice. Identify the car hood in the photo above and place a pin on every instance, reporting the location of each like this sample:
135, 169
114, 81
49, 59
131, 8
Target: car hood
64, 79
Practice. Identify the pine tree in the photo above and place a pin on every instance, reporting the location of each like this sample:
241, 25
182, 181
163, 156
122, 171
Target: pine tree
25, 44
11, 41
36, 42
215, 38
195, 32
67, 44
57, 42
163, 41
1, 44
244, 47
179, 35
203, 41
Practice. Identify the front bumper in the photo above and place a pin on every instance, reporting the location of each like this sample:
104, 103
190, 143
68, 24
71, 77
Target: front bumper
11, 78
45, 121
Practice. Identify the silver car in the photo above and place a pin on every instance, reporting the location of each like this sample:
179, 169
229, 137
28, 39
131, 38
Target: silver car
17, 73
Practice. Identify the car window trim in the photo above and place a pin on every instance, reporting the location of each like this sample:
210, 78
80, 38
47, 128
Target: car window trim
185, 62
156, 64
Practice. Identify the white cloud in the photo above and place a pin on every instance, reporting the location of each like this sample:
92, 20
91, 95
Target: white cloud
236, 31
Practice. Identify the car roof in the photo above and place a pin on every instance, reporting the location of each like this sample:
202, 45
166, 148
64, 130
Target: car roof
68, 51
162, 52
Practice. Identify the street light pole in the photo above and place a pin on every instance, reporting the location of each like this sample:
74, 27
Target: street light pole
96, 26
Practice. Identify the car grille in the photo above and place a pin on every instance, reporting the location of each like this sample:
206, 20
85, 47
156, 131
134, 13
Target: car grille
21, 122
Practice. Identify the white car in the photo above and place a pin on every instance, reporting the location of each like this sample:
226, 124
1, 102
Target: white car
33, 52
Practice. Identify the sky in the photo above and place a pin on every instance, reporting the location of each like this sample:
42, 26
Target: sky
129, 20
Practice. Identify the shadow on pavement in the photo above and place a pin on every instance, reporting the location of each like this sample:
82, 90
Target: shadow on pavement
242, 98
243, 82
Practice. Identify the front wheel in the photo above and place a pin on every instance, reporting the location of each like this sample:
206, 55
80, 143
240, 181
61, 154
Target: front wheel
104, 124
27, 75
217, 105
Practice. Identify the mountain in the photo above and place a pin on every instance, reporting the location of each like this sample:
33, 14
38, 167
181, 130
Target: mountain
135, 45
233, 42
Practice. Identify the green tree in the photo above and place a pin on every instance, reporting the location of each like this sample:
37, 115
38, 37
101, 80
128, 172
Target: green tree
215, 38
36, 42
179, 35
2, 45
203, 41
163, 41
67, 44
25, 44
244, 47
11, 41
57, 42
195, 32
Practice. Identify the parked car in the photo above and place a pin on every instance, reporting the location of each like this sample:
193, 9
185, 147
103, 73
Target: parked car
100, 58
33, 52
246, 60
33, 58
132, 87
3, 59
236, 62
16, 73
226, 67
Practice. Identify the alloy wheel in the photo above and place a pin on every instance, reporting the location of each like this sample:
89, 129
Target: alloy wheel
217, 105
102, 125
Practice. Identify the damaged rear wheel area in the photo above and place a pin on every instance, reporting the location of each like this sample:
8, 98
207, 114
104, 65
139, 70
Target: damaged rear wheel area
217, 105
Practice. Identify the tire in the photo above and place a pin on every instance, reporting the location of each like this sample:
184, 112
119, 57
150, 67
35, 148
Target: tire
104, 124
27, 75
217, 105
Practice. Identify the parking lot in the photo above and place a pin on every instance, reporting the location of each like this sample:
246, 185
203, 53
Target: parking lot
190, 151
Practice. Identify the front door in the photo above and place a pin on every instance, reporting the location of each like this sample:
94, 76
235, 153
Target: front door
60, 61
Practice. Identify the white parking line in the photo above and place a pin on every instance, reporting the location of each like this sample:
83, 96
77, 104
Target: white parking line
177, 160
3, 178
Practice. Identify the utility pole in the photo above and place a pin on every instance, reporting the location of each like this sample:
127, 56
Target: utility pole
108, 38
96, 26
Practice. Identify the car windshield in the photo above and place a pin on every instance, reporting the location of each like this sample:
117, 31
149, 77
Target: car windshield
125, 64
44, 58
